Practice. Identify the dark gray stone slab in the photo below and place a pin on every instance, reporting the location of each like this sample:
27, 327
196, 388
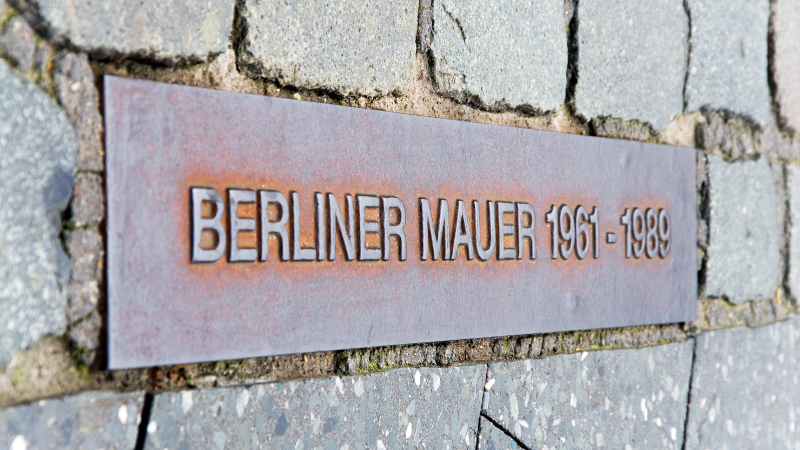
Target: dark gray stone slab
614, 398
786, 61
364, 48
401, 408
728, 61
92, 420
632, 60
745, 392
743, 259
37, 165
501, 53
493, 438
167, 32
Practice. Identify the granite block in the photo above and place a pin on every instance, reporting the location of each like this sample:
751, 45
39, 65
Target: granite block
745, 391
631, 60
786, 61
615, 398
728, 60
501, 53
37, 166
743, 257
400, 408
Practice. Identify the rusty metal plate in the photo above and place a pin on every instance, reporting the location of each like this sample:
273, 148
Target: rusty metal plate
221, 206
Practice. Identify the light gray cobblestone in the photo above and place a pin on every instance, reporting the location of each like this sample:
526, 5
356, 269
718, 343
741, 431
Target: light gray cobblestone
366, 48
37, 166
793, 191
631, 60
400, 408
166, 32
743, 257
16, 39
86, 251
728, 60
501, 53
92, 420
786, 61
745, 391
612, 399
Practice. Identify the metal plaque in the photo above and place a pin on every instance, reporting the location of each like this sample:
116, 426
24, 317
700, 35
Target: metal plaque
243, 225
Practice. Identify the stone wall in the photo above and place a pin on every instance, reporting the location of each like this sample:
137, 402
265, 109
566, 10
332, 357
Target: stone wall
721, 77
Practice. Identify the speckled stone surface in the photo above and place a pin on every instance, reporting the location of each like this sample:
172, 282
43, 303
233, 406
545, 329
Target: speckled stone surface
17, 41
493, 438
632, 59
92, 420
745, 391
793, 191
400, 408
365, 48
743, 259
786, 61
37, 166
615, 399
501, 53
728, 60
166, 32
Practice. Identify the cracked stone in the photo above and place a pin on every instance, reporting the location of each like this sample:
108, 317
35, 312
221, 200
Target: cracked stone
76, 89
85, 247
419, 408
37, 166
728, 61
17, 41
165, 32
493, 438
362, 48
88, 200
786, 61
86, 336
733, 137
501, 54
593, 399
632, 60
744, 388
743, 259
84, 421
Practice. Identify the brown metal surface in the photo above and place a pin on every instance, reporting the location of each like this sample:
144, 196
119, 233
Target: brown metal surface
162, 140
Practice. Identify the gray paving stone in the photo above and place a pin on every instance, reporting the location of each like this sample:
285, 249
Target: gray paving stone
400, 408
76, 89
88, 200
743, 257
37, 165
632, 60
615, 399
745, 392
92, 420
786, 61
793, 191
728, 60
85, 247
365, 48
167, 32
493, 438
501, 53
16, 41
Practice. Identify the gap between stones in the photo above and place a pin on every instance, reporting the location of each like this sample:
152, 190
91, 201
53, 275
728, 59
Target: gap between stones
147, 407
689, 395
503, 429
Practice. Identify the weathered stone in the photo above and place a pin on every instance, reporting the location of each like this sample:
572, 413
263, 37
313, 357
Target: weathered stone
631, 60
620, 129
37, 165
88, 200
793, 187
493, 438
85, 248
87, 421
595, 399
744, 388
166, 32
728, 60
74, 82
365, 48
786, 61
502, 54
415, 408
733, 137
425, 34
16, 40
86, 336
743, 259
